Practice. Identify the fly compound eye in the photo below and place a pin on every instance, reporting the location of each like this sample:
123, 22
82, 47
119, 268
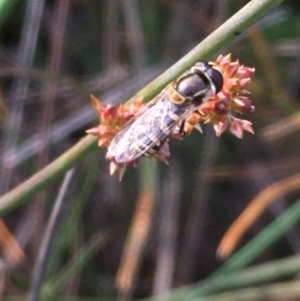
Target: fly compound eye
216, 77
190, 85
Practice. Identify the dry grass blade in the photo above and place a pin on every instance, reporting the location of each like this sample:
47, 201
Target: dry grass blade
137, 238
253, 211
272, 80
281, 128
11, 248
3, 109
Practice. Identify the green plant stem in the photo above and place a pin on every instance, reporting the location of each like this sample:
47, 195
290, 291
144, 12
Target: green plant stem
234, 26
276, 270
6, 6
263, 240
84, 255
224, 276
70, 227
242, 20
268, 292
256, 275
48, 174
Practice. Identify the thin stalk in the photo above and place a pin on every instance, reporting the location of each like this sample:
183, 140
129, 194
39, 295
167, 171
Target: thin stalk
71, 225
139, 230
257, 275
263, 240
47, 175
51, 233
55, 285
25, 57
237, 24
6, 7
267, 292
167, 231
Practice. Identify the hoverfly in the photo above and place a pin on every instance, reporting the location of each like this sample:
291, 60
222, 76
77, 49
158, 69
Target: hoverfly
147, 132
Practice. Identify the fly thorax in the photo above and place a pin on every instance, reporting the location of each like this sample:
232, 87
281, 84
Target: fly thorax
194, 88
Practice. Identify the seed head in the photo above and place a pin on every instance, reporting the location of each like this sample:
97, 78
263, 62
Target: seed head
232, 98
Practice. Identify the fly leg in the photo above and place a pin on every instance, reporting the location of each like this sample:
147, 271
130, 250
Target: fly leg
181, 131
158, 146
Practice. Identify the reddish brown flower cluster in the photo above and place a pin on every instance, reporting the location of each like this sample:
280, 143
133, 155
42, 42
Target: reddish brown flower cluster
232, 97
111, 119
218, 110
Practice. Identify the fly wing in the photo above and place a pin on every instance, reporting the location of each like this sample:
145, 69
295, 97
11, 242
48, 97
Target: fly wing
114, 145
152, 128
